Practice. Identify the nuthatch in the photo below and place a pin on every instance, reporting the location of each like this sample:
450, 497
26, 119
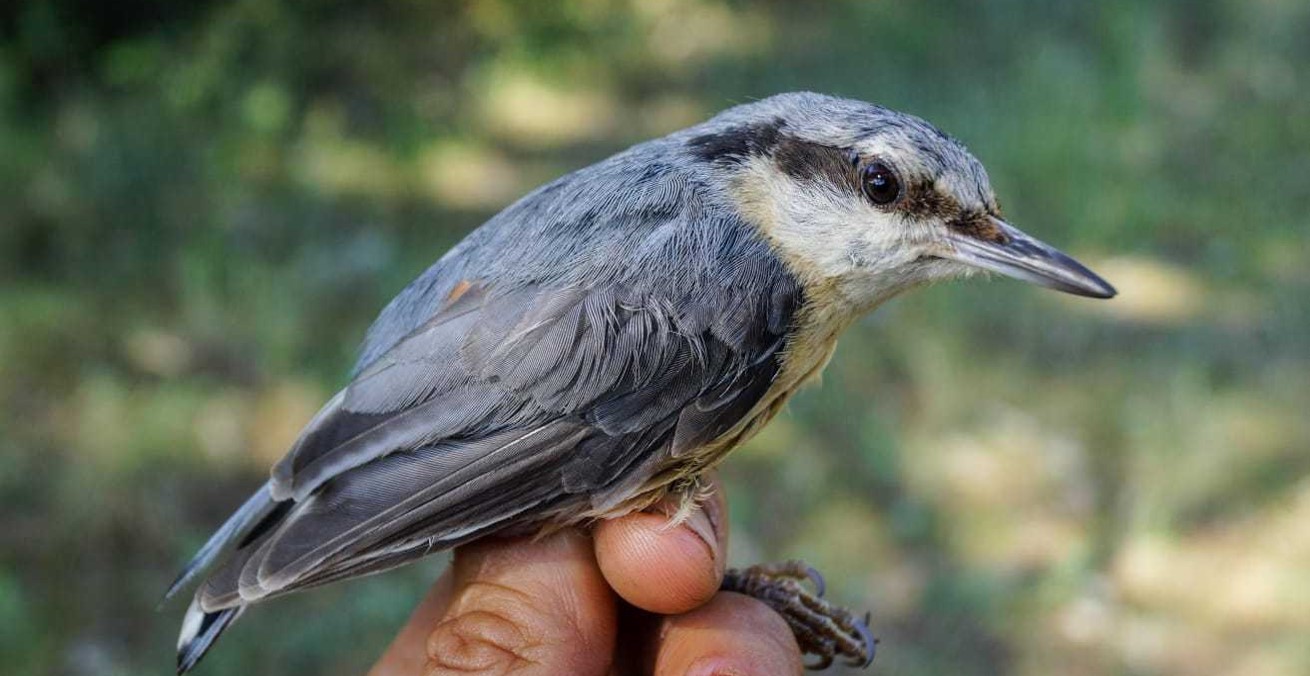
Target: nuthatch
604, 341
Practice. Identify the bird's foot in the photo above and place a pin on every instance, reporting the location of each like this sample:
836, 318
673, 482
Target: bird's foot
821, 628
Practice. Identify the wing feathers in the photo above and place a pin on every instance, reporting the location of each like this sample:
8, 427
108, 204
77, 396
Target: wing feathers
412, 428
612, 382
441, 493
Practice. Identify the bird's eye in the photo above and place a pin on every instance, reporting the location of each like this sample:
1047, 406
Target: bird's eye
880, 184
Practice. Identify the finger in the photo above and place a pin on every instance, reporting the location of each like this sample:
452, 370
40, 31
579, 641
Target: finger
408, 653
732, 634
531, 607
662, 569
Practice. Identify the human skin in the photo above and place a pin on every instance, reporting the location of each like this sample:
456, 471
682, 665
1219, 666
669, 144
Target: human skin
633, 596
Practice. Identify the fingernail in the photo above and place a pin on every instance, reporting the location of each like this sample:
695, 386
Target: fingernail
703, 525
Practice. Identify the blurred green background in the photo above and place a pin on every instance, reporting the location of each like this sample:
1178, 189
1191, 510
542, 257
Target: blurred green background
203, 205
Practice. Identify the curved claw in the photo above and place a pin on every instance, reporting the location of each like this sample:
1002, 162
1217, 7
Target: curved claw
870, 642
820, 586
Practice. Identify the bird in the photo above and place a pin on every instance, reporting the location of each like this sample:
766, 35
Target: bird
603, 342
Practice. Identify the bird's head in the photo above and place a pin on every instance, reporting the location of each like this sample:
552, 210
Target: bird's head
869, 202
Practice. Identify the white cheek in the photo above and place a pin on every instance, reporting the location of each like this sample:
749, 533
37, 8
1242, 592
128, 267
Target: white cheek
840, 236
827, 235
821, 230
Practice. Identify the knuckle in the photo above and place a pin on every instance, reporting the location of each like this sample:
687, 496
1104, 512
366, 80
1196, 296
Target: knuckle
492, 629
477, 642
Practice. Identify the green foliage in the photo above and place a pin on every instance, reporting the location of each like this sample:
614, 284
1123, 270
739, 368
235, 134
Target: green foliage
202, 206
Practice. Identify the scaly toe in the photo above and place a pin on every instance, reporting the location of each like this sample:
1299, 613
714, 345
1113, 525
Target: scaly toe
821, 628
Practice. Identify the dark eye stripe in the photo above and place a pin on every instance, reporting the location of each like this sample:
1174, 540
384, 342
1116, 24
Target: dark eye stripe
807, 161
923, 201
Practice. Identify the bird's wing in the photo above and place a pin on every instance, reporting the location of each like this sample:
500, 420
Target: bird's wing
504, 406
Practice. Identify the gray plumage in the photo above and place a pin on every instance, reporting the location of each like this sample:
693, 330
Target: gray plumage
589, 337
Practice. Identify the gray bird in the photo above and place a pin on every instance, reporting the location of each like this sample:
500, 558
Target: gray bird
604, 341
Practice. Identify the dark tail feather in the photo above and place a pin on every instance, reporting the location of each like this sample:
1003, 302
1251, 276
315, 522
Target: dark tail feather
255, 508
199, 631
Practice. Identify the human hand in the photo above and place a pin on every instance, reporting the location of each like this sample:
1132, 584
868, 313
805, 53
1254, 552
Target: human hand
633, 597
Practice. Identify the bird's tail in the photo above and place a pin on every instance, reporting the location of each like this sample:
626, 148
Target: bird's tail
255, 509
199, 631
200, 628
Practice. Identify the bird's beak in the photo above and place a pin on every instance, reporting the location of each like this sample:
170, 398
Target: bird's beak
1007, 250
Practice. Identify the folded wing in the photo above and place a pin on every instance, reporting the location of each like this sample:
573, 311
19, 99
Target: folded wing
500, 409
